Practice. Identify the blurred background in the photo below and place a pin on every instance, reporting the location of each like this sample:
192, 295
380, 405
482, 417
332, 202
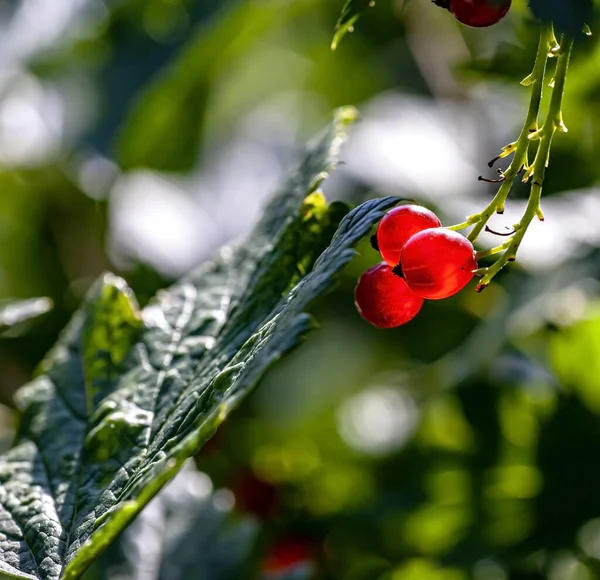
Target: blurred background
140, 135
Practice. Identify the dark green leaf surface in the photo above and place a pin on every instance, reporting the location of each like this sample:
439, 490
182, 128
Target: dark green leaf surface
127, 396
185, 533
14, 313
350, 14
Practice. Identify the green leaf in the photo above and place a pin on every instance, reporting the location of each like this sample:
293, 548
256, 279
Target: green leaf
186, 532
350, 14
127, 396
13, 313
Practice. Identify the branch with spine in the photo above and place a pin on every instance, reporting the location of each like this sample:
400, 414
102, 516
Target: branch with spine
530, 154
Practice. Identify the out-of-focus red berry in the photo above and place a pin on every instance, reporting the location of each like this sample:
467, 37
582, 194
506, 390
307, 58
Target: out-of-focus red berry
438, 263
479, 13
255, 496
286, 554
384, 299
398, 226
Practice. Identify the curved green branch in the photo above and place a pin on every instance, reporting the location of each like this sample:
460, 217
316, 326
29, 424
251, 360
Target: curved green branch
537, 172
531, 131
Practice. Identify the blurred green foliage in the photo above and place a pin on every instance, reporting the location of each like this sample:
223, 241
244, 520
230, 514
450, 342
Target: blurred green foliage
460, 446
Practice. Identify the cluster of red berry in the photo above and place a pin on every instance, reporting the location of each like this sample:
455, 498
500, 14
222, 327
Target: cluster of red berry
477, 13
422, 260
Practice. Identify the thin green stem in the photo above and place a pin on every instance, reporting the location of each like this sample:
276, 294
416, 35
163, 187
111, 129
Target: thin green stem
492, 251
520, 147
553, 123
470, 221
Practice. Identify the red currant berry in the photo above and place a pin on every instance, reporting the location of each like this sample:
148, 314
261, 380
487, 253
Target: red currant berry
398, 226
479, 13
384, 299
438, 263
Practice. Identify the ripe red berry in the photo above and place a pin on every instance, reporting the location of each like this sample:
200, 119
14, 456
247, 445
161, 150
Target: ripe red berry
384, 299
479, 13
398, 226
438, 263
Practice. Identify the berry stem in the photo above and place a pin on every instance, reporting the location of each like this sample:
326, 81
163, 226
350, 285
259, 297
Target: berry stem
492, 251
537, 172
520, 147
548, 47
